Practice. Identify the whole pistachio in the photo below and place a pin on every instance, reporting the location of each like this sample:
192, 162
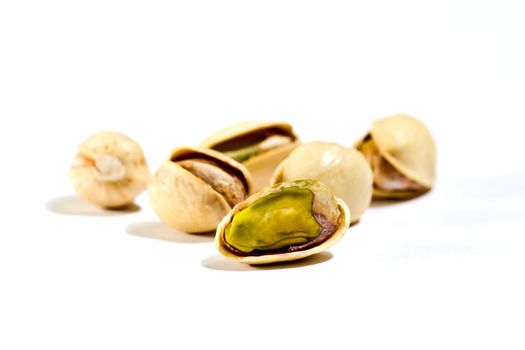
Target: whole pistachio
109, 170
287, 221
402, 154
259, 146
196, 187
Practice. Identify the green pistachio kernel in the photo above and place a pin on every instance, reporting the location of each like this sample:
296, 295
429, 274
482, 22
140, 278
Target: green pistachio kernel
275, 221
243, 154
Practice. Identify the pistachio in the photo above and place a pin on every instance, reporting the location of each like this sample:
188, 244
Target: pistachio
288, 221
260, 146
221, 180
196, 187
402, 154
344, 170
109, 170
279, 219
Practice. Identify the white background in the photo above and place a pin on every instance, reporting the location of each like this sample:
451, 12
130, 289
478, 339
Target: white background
444, 271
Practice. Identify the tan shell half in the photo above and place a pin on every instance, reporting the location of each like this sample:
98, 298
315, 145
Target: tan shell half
184, 201
408, 146
110, 170
344, 170
344, 222
261, 167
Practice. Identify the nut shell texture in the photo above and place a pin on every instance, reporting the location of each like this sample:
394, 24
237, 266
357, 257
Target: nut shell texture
186, 202
408, 146
242, 129
262, 166
110, 170
344, 170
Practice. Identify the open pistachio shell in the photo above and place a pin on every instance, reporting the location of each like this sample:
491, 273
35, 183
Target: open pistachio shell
287, 221
401, 149
196, 187
260, 146
344, 170
109, 170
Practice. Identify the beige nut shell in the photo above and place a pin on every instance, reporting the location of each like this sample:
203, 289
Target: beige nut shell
344, 170
184, 201
261, 167
344, 222
408, 146
123, 152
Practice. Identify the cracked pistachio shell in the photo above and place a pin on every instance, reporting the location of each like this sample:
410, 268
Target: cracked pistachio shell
186, 202
109, 170
262, 166
407, 144
344, 170
332, 208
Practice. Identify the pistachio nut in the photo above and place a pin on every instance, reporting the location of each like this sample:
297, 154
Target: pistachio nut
259, 146
402, 154
196, 187
287, 221
109, 170
344, 170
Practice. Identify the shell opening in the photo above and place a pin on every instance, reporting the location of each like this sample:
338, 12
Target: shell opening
221, 180
246, 146
386, 177
220, 164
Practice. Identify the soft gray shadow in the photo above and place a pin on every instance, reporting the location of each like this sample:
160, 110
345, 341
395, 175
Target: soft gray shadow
386, 202
429, 252
157, 230
218, 262
74, 205
380, 203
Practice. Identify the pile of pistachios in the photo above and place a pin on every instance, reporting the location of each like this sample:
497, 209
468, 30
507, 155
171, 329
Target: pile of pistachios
267, 196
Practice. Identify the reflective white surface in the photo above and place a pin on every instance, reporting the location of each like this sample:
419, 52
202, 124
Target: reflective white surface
444, 271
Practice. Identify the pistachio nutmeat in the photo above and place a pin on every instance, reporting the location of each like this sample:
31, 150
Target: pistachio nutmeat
287, 221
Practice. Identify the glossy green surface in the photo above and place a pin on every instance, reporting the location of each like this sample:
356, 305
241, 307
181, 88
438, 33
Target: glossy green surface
275, 221
243, 154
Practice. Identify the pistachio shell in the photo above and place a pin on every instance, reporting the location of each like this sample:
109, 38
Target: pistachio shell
186, 202
344, 170
260, 166
381, 194
408, 146
323, 202
241, 129
109, 170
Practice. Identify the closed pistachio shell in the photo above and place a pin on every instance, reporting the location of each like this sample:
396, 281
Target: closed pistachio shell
402, 153
259, 146
109, 170
284, 222
344, 170
196, 187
